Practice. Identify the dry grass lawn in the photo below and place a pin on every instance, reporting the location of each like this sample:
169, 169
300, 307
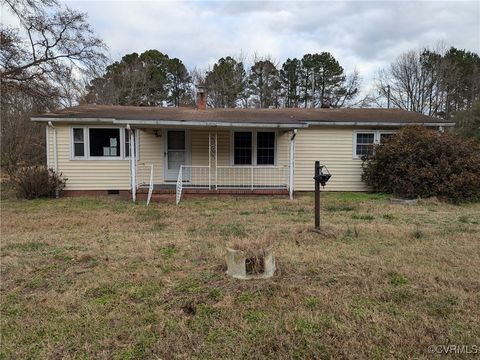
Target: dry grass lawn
107, 279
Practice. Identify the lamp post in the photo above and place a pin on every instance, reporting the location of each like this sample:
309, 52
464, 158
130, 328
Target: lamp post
321, 177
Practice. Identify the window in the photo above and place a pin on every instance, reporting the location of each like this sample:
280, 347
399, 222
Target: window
100, 143
242, 148
78, 142
127, 143
253, 148
104, 142
385, 136
364, 143
265, 148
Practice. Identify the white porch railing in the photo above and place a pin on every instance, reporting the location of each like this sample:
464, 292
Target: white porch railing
179, 187
231, 177
253, 177
145, 178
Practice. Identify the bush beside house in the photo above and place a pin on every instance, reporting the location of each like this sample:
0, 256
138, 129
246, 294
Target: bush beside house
37, 181
418, 162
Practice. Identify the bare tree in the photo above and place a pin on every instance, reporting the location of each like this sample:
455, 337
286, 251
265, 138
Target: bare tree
42, 65
431, 82
52, 41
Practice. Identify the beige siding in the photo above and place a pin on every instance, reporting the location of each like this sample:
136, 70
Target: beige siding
334, 148
90, 174
151, 151
115, 174
199, 147
283, 148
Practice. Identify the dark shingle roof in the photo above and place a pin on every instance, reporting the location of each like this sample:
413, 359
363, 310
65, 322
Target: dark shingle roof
274, 116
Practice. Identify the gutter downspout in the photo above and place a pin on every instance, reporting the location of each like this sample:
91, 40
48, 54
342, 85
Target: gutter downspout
55, 156
133, 163
292, 163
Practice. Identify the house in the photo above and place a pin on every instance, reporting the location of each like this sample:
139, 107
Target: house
178, 150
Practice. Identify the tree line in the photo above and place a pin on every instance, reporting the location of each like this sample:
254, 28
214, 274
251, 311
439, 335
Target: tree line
154, 79
54, 59
437, 83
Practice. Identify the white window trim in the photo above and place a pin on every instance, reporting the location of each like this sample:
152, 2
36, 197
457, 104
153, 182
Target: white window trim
86, 144
376, 139
137, 143
72, 144
254, 147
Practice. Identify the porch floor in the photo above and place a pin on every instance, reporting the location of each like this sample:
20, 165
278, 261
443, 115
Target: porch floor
170, 189
168, 186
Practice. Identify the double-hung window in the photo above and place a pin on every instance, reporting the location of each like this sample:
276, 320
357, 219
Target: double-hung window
100, 143
364, 141
242, 148
127, 143
265, 148
254, 148
78, 142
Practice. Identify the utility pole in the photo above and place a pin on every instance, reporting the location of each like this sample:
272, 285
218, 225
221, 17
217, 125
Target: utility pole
388, 96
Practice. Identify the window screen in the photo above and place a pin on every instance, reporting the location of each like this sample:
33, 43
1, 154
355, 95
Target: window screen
242, 145
265, 148
104, 142
78, 143
365, 143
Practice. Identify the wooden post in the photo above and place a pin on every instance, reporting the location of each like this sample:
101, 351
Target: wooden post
317, 195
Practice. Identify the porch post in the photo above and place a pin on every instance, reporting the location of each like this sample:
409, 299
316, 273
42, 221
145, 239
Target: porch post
291, 168
133, 164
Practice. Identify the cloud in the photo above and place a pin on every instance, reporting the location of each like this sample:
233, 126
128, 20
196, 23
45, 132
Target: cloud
365, 35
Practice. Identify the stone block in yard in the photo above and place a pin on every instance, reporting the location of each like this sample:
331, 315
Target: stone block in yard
242, 265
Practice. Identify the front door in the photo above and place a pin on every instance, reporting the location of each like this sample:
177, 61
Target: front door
176, 153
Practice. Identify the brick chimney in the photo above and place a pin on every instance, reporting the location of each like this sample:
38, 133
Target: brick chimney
201, 98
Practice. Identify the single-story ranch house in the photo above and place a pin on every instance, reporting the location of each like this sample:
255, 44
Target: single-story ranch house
265, 151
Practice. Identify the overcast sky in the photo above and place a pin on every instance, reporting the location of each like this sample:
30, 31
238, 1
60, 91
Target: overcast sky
360, 34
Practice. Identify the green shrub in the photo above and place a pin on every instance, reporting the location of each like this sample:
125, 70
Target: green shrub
418, 162
37, 181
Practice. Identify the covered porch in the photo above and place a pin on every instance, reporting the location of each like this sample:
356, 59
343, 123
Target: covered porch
212, 160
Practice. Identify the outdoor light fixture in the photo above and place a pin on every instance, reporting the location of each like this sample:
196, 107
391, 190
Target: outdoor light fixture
322, 175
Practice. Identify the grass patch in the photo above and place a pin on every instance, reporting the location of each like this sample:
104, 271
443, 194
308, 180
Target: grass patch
366, 217
169, 251
234, 230
418, 234
340, 207
350, 234
397, 279
104, 278
27, 247
388, 217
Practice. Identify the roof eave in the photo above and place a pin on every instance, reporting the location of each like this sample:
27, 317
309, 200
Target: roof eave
376, 123
172, 122
225, 124
73, 120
